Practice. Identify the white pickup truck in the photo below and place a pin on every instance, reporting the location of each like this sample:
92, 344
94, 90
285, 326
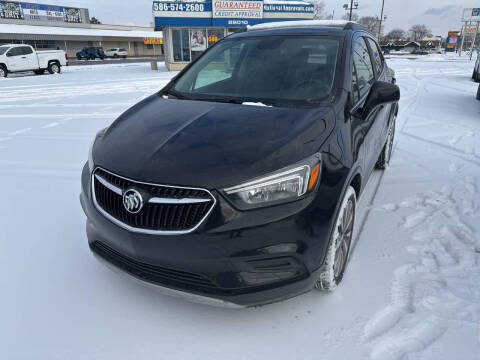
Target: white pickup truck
19, 58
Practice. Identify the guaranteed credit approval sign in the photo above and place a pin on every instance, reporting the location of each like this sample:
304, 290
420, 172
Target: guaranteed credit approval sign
237, 12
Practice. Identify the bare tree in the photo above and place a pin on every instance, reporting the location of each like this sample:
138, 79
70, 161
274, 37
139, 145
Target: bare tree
396, 34
371, 23
355, 16
418, 32
319, 9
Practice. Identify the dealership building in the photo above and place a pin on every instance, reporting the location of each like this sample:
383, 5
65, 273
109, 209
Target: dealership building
189, 27
69, 29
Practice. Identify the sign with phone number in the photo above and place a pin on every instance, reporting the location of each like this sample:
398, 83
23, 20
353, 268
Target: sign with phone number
175, 6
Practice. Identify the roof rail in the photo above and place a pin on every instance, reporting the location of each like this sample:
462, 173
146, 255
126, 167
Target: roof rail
342, 24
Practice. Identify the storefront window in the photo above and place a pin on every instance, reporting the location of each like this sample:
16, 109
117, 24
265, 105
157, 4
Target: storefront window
181, 45
188, 44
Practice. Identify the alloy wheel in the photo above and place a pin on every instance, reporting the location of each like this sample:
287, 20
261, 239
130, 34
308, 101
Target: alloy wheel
344, 239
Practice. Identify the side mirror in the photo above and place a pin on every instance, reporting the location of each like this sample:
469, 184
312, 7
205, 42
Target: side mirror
381, 93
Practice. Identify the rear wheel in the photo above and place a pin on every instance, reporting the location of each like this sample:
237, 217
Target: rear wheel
54, 68
339, 245
386, 154
3, 72
115, 56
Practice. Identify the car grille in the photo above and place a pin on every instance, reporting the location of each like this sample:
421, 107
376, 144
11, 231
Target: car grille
165, 209
152, 273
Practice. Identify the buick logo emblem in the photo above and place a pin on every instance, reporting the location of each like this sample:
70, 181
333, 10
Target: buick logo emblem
132, 201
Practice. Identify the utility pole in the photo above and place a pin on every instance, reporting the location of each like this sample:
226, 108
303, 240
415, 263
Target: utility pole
381, 19
464, 32
351, 8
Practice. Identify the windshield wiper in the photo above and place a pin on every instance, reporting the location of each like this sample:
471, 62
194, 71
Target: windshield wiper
176, 94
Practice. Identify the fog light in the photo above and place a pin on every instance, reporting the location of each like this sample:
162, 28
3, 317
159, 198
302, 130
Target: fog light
261, 278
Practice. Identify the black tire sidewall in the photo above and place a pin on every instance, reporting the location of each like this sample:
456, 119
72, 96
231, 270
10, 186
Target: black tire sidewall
5, 72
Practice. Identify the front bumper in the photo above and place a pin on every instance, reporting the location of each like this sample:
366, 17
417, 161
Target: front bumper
233, 259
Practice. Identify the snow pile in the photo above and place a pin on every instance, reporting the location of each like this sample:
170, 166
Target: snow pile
411, 291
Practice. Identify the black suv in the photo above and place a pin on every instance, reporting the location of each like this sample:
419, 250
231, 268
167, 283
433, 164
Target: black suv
237, 183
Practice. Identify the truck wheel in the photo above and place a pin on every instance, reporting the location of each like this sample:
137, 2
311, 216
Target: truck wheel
54, 68
3, 72
340, 242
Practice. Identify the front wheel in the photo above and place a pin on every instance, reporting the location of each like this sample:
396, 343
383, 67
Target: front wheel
386, 154
54, 68
339, 245
3, 72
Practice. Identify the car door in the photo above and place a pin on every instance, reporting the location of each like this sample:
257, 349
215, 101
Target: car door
363, 78
383, 116
30, 57
15, 61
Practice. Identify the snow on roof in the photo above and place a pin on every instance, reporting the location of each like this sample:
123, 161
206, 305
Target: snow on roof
57, 30
300, 23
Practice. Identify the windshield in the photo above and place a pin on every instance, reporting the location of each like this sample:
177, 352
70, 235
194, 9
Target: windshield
3, 49
273, 70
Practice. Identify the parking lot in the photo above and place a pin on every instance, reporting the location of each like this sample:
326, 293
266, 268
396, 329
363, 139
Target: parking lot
412, 286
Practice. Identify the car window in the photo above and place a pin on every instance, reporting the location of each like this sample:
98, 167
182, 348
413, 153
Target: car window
26, 50
377, 58
123, 50
363, 68
3, 49
16, 51
286, 71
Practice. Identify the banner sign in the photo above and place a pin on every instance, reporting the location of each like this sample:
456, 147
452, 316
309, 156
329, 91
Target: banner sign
176, 13
39, 12
237, 12
227, 13
281, 10
10, 10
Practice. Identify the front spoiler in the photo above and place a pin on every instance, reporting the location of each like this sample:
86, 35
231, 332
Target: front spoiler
198, 299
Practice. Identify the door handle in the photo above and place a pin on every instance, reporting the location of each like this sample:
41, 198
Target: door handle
24, 57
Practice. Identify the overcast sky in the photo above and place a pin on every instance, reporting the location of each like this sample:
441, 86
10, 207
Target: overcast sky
439, 15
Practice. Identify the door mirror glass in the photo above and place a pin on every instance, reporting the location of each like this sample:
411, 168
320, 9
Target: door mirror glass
381, 93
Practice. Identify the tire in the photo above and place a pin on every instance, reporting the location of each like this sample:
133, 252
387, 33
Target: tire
477, 77
124, 57
339, 245
39, 72
115, 56
54, 68
386, 154
478, 93
3, 71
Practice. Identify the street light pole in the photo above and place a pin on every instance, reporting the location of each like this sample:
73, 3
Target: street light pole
381, 19
351, 9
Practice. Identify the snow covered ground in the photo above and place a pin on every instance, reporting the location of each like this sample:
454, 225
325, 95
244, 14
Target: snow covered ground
412, 289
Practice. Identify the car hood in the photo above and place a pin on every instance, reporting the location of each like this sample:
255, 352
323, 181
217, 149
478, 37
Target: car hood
208, 144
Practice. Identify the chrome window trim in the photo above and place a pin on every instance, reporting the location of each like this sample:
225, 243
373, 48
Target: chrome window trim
146, 231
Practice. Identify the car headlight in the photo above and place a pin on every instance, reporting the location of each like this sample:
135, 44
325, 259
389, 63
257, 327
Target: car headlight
91, 164
283, 186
